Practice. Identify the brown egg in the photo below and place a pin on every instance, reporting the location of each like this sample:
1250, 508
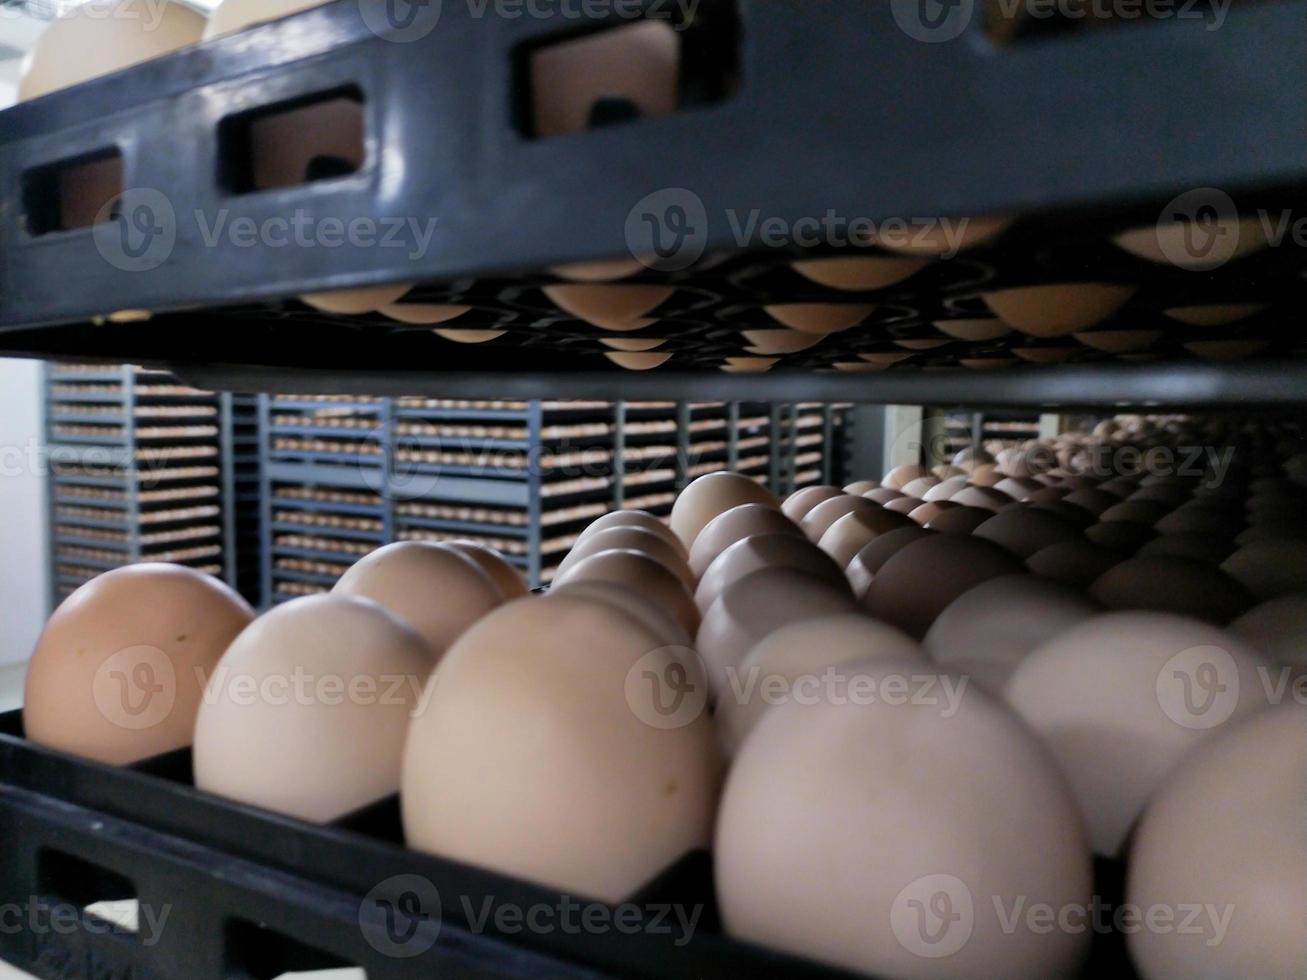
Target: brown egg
765, 551
882, 495
1018, 488
643, 574
1121, 698
983, 497
753, 607
903, 505
859, 273
632, 518
798, 503
946, 471
436, 589
1216, 315
922, 580
971, 457
1058, 310
862, 487
985, 475
711, 495
1277, 628
511, 582
469, 336
736, 524
327, 745
118, 671
1076, 563
1094, 501
1126, 537
1001, 621
424, 314
927, 512
878, 813
638, 362
619, 308
1025, 531
869, 561
1270, 569
819, 318
854, 531
973, 331
920, 486
798, 654
1193, 545
1175, 585
945, 489
771, 342
819, 520
651, 616
524, 720
629, 539
896, 478
1238, 798
633, 345
604, 270
958, 520
1168, 243
354, 302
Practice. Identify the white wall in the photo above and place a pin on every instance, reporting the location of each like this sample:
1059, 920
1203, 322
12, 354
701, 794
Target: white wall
24, 570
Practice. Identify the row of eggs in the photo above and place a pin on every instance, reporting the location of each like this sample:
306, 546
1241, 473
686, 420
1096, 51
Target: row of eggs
523, 718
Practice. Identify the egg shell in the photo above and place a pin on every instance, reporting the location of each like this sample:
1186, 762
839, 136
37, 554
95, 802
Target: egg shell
985, 475
1111, 699
1060, 309
920, 486
1024, 531
632, 518
512, 583
862, 487
1004, 619
535, 708
883, 495
856, 842
1277, 628
801, 650
946, 489
651, 616
755, 606
922, 580
629, 539
639, 572
984, 497
903, 505
898, 477
1238, 800
854, 531
869, 561
761, 551
712, 495
819, 318
354, 302
118, 671
327, 745
800, 502
1270, 569
734, 525
859, 273
973, 456
1177, 585
820, 519
437, 590
957, 519
927, 512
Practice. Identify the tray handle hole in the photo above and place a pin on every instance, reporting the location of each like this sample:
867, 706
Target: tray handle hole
73, 193
102, 895
256, 952
314, 138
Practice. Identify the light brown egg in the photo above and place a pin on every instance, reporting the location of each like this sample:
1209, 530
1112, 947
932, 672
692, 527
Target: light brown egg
904, 505
423, 314
971, 457
772, 342
790, 662
927, 512
1168, 243
653, 617
936, 238
1215, 315
1238, 799
854, 531
712, 495
819, 318
922, 580
512, 583
524, 720
858, 843
749, 365
920, 486
1003, 620
642, 574
869, 561
974, 331
859, 273
1277, 628
118, 671
1122, 697
1058, 310
309, 709
862, 487
1176, 585
957, 519
632, 518
354, 302
765, 551
633, 345
1270, 569
883, 495
619, 308
797, 504
985, 475
1018, 488
1025, 530
628, 539
438, 590
985, 498
603, 270
898, 477
755, 606
637, 362
734, 525
469, 336
819, 520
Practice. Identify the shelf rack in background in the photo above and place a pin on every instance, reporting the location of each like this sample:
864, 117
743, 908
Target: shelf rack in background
138, 471
343, 475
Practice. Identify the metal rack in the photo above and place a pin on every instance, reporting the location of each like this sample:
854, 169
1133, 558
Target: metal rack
135, 473
344, 475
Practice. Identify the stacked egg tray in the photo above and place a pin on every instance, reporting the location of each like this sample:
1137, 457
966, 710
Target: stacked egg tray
250, 893
906, 326
135, 472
